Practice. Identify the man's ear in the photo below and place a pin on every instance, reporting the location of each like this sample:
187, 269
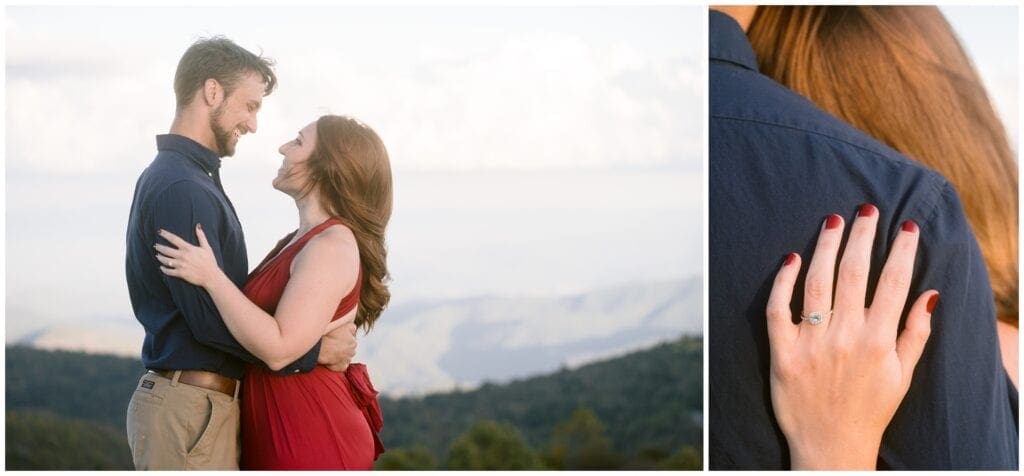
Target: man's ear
213, 92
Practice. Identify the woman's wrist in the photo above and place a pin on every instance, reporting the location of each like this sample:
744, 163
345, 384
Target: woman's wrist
841, 454
218, 280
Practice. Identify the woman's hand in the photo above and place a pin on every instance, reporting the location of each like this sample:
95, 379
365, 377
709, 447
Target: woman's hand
195, 264
837, 384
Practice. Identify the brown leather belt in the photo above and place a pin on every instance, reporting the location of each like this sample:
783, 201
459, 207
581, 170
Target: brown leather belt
203, 379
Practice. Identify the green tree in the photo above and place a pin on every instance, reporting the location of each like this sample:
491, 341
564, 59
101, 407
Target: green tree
42, 440
491, 445
687, 458
582, 443
404, 459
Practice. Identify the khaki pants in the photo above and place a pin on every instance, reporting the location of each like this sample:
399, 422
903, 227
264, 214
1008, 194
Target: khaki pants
176, 426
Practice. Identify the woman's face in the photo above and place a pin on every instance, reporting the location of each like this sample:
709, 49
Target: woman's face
293, 174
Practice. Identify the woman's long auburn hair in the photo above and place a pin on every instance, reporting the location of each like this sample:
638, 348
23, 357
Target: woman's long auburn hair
350, 169
900, 74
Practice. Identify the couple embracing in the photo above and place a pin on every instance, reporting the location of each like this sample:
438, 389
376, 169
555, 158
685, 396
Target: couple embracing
253, 370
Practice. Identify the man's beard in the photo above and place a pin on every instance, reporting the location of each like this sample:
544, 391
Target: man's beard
223, 137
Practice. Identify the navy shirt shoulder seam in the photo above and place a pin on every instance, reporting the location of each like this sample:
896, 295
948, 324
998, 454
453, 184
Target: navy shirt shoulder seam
929, 201
194, 189
890, 157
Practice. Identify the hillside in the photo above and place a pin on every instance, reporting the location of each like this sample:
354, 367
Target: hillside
423, 347
645, 408
42, 440
648, 400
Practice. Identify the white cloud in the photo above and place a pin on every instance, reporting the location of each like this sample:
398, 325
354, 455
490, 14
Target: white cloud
526, 99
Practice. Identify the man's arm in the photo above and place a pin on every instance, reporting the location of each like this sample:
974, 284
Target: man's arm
177, 210
957, 413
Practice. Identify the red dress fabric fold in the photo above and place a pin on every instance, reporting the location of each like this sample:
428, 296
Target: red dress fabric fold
318, 420
366, 397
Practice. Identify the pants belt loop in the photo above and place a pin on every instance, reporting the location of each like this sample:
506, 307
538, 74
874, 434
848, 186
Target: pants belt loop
238, 386
174, 380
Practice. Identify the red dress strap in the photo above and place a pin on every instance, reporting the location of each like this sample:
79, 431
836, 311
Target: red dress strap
280, 249
278, 262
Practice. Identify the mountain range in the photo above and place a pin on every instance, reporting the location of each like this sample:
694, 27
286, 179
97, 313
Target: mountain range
423, 347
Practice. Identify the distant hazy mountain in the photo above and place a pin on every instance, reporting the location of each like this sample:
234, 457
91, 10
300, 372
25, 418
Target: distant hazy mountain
434, 346
123, 338
444, 345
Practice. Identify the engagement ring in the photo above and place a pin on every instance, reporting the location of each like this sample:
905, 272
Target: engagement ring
816, 317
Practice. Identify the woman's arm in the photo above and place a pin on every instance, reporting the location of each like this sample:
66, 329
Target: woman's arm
836, 384
1008, 348
322, 273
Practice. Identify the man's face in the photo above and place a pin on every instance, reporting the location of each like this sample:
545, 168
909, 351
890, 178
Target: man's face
236, 114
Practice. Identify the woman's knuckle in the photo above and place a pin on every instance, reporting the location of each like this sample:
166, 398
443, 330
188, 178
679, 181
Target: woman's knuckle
919, 333
853, 273
878, 344
784, 368
896, 280
843, 346
817, 288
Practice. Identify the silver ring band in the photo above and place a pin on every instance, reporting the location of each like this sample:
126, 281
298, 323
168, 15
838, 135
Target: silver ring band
816, 317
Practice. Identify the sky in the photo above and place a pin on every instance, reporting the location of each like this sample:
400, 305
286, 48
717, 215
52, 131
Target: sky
536, 151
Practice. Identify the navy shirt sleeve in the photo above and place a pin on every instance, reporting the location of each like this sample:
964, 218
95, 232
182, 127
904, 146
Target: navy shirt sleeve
959, 412
177, 210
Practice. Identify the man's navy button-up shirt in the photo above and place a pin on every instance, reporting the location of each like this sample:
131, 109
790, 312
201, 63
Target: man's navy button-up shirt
184, 331
778, 166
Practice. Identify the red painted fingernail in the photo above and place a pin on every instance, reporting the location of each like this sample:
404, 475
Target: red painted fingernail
833, 221
790, 259
931, 302
867, 210
910, 226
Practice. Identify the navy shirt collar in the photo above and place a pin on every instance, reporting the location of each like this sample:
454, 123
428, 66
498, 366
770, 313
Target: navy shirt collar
728, 42
205, 158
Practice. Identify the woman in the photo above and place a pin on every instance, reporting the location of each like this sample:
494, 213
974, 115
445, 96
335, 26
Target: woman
899, 74
337, 171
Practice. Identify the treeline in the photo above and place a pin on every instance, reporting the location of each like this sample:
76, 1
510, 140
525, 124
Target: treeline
647, 406
41, 440
66, 410
579, 443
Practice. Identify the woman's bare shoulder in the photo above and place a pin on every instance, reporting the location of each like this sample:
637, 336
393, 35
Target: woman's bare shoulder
336, 245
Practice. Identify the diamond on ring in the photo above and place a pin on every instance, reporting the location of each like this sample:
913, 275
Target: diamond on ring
816, 317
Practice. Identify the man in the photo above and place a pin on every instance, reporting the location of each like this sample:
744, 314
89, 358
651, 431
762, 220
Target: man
184, 413
778, 166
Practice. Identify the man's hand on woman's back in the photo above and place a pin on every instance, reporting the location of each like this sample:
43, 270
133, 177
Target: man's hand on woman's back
338, 345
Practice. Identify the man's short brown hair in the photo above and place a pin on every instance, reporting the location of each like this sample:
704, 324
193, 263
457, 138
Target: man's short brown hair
221, 59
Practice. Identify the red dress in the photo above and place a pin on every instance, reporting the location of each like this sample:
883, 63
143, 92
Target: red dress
318, 420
